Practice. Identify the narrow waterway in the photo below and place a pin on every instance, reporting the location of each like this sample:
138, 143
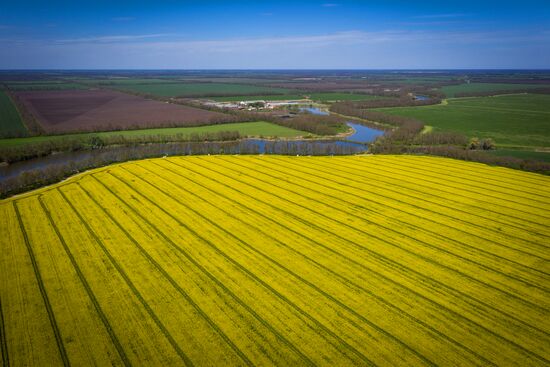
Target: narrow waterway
363, 134
352, 144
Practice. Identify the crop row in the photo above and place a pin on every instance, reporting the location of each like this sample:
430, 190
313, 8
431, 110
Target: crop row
278, 261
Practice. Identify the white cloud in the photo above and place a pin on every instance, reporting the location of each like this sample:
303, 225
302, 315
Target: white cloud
351, 49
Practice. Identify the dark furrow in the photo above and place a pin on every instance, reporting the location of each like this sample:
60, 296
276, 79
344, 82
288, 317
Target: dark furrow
238, 300
395, 265
457, 180
486, 178
436, 234
343, 279
447, 198
47, 304
243, 243
186, 360
488, 268
510, 175
87, 287
431, 232
393, 245
425, 209
464, 189
429, 168
363, 169
3, 338
243, 269
180, 290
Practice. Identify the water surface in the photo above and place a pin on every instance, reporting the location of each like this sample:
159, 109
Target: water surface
364, 134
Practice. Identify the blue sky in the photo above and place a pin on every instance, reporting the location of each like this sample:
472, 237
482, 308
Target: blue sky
258, 34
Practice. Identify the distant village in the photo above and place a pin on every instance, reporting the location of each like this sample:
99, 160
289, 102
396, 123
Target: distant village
256, 104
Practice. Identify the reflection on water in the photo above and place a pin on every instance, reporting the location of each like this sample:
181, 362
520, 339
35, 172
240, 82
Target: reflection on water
84, 158
355, 144
364, 134
314, 110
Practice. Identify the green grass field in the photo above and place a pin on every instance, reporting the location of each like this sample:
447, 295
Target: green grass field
45, 86
332, 97
260, 128
451, 90
513, 120
523, 154
318, 97
273, 97
129, 81
199, 89
10, 121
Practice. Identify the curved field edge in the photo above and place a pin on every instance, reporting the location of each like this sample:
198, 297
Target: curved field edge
279, 260
469, 164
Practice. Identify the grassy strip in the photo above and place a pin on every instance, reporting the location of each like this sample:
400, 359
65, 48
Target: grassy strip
522, 154
451, 90
259, 128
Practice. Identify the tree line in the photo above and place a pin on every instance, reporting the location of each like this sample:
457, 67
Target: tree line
16, 153
52, 173
545, 90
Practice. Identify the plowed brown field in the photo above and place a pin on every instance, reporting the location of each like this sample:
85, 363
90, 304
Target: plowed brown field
95, 110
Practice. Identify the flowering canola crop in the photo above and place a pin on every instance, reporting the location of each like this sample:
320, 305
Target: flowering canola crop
272, 260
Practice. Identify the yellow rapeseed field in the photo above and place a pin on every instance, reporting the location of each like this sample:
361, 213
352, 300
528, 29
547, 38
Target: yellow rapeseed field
272, 260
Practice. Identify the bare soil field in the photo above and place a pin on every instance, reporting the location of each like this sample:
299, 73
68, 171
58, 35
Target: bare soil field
99, 110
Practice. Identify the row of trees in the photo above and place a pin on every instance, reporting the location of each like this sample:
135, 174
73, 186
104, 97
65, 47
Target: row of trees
406, 128
545, 90
51, 173
22, 152
403, 101
459, 152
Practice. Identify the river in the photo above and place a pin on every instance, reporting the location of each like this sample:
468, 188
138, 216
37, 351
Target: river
355, 143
